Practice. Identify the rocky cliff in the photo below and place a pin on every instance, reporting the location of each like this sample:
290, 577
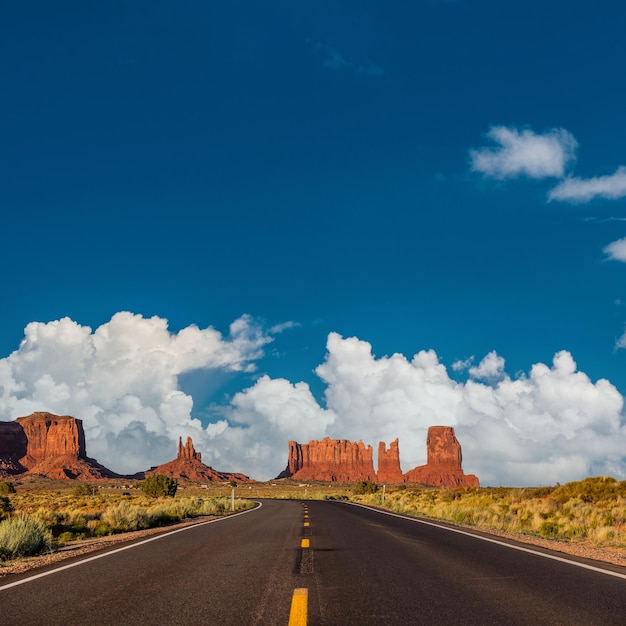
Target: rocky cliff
443, 461
345, 461
49, 445
188, 465
389, 470
331, 460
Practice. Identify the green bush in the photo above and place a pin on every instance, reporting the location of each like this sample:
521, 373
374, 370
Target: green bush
591, 490
6, 488
549, 530
23, 536
125, 517
159, 486
5, 506
85, 489
363, 487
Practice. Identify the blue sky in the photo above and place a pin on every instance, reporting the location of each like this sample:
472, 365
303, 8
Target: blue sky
433, 175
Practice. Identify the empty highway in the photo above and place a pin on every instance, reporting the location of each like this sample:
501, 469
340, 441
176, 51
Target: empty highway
360, 567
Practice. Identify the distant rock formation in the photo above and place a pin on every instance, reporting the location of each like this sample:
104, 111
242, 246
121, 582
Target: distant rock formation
330, 459
389, 470
49, 445
188, 465
443, 462
340, 460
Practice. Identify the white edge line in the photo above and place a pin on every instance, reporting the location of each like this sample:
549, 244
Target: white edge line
128, 547
496, 541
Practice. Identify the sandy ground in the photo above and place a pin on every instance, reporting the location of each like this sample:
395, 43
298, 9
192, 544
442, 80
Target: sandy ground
70, 549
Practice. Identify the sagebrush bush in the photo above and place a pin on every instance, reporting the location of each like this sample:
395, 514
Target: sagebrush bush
85, 489
125, 517
364, 486
5, 507
22, 535
159, 486
6, 488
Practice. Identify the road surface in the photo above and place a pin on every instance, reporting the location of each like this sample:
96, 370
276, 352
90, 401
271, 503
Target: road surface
361, 567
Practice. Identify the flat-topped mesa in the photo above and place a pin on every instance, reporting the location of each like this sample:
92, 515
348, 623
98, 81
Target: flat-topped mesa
443, 466
389, 470
188, 465
330, 460
49, 445
344, 461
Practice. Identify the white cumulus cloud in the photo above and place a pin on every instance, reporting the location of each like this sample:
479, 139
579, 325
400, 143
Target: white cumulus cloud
524, 153
579, 190
123, 381
491, 368
616, 250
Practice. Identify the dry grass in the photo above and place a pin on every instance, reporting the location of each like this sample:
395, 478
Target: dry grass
591, 511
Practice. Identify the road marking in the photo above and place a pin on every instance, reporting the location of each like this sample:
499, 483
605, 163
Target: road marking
307, 523
299, 607
132, 545
499, 543
306, 543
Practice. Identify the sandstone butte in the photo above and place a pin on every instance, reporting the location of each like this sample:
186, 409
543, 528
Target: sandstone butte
188, 464
345, 461
49, 445
54, 446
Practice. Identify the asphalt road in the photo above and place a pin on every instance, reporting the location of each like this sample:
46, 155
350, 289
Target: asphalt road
362, 567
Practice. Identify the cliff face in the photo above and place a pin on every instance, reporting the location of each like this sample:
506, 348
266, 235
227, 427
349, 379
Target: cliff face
49, 445
344, 461
188, 465
389, 463
443, 465
13, 446
331, 460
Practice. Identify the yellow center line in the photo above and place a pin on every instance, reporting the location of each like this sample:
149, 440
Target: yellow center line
299, 602
307, 523
306, 543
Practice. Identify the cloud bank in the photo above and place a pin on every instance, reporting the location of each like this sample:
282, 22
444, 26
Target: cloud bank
123, 379
524, 153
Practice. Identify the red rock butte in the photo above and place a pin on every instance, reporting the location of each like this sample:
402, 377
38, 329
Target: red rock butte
340, 460
188, 465
331, 460
48, 445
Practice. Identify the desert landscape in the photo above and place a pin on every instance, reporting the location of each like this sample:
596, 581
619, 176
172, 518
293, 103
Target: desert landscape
56, 501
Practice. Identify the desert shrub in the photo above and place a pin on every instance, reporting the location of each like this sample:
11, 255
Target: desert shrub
23, 536
6, 488
363, 487
66, 536
159, 486
591, 490
124, 517
85, 489
549, 530
5, 506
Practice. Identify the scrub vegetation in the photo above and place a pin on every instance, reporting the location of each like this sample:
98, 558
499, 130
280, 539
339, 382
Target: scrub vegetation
37, 521
592, 510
